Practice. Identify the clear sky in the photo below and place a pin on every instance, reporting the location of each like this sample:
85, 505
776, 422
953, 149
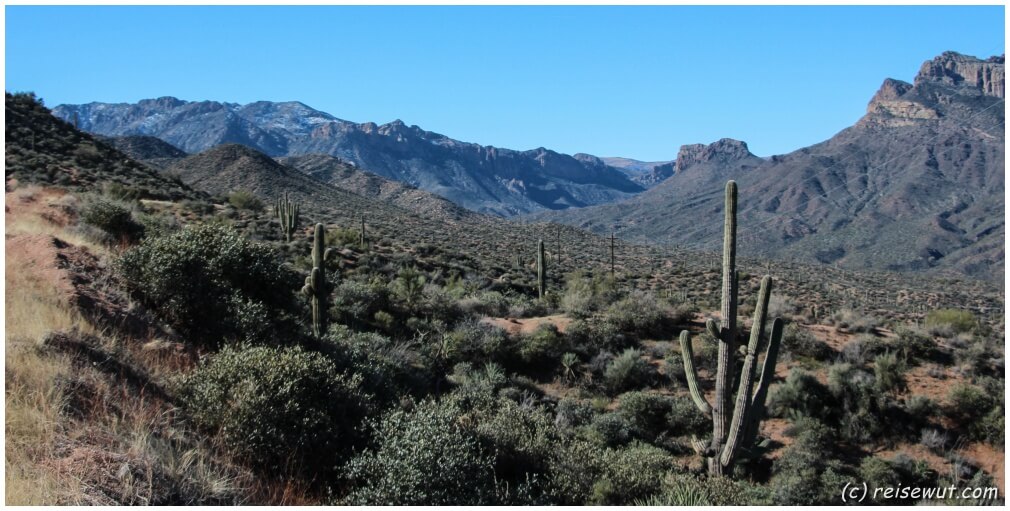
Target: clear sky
611, 81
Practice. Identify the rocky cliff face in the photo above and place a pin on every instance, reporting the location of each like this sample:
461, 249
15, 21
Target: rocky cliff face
951, 68
950, 85
720, 152
481, 178
916, 185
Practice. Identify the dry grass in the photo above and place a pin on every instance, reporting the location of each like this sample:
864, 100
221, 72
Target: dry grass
33, 401
125, 447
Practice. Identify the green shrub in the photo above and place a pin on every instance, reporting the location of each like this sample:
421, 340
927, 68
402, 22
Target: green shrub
685, 419
626, 372
283, 409
889, 372
956, 320
423, 457
244, 199
801, 393
211, 284
355, 303
646, 412
612, 429
112, 218
571, 413
639, 313
913, 345
802, 343
691, 490
477, 343
806, 473
630, 474
542, 349
979, 411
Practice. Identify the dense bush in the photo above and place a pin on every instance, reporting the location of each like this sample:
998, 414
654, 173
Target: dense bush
423, 457
947, 321
801, 393
356, 303
283, 409
211, 283
611, 429
542, 349
801, 343
112, 218
806, 473
639, 313
630, 474
586, 294
244, 199
628, 371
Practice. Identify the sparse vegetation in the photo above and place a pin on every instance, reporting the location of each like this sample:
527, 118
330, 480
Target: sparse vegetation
430, 370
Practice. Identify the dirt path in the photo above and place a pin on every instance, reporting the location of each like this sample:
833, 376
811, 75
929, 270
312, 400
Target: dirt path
529, 325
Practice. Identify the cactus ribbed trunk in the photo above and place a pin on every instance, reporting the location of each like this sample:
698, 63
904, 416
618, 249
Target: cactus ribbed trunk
541, 270
287, 214
729, 437
727, 330
611, 255
361, 236
316, 288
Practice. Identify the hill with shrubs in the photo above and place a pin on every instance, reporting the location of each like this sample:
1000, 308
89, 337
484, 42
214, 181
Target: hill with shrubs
167, 343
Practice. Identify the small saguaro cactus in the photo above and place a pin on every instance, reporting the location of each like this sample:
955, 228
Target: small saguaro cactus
361, 235
541, 270
316, 288
287, 214
729, 436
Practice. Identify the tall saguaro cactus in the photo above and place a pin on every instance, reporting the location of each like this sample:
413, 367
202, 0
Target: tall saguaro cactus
541, 270
316, 288
287, 214
733, 427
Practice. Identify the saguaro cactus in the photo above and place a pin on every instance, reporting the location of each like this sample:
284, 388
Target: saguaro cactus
316, 288
287, 214
611, 255
541, 270
361, 235
730, 435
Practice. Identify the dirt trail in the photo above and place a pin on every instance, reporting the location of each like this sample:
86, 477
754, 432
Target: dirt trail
529, 325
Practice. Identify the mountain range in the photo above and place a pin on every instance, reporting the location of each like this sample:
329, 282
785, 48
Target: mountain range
916, 184
481, 178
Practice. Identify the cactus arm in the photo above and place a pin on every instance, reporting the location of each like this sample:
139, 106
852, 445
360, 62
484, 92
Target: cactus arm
328, 254
767, 375
743, 395
692, 374
712, 328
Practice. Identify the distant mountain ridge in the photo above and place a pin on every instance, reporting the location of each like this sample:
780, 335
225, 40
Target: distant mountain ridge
481, 178
916, 184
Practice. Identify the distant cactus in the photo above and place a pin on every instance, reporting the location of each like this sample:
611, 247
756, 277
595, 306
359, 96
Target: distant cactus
611, 255
316, 287
541, 270
749, 409
287, 214
361, 235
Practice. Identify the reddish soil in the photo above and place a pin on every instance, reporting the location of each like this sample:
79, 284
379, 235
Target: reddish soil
529, 325
991, 460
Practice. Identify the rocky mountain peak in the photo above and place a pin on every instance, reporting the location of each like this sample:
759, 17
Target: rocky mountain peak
952, 68
725, 150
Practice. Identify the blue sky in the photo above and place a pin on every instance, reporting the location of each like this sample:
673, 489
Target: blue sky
610, 81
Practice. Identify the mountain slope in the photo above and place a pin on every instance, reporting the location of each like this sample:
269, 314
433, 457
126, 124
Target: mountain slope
43, 149
149, 150
480, 178
345, 176
916, 184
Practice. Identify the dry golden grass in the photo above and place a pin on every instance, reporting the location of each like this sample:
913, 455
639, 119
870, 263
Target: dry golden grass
33, 402
53, 458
